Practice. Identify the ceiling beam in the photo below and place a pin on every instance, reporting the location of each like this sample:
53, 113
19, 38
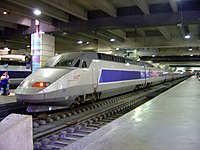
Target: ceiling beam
94, 36
190, 17
152, 20
2, 28
143, 6
173, 5
13, 44
69, 7
104, 5
184, 29
16, 19
110, 35
159, 42
199, 34
141, 32
118, 32
62, 39
165, 33
16, 9
46, 9
170, 58
8, 24
148, 33
76, 37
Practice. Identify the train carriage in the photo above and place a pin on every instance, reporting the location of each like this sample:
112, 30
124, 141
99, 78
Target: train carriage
78, 77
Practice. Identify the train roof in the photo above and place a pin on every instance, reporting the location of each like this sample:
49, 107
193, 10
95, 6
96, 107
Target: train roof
107, 57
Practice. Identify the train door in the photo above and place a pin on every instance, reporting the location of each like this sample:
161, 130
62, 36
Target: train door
95, 79
88, 73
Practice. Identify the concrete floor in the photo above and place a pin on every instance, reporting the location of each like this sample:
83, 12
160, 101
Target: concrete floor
170, 121
8, 98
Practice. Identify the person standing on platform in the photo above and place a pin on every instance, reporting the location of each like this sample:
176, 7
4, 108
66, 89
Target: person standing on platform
5, 84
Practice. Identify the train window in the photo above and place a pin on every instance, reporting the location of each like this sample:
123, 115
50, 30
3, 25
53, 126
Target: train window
84, 65
99, 56
112, 58
51, 61
64, 63
77, 63
103, 57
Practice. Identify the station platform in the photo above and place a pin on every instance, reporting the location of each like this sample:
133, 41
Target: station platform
8, 98
169, 121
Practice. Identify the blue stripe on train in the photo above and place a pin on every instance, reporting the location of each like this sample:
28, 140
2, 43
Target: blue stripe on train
17, 74
120, 75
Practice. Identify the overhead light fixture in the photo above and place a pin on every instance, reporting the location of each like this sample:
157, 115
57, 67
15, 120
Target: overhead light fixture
112, 40
190, 49
153, 55
28, 46
80, 42
138, 59
5, 12
191, 54
184, 29
187, 36
65, 33
117, 49
37, 12
87, 43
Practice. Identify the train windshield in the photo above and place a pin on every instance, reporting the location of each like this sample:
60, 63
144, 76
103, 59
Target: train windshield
64, 63
51, 61
65, 60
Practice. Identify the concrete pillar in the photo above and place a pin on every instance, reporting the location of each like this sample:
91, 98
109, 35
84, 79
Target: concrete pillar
16, 132
42, 48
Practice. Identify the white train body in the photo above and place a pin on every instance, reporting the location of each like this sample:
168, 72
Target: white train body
72, 77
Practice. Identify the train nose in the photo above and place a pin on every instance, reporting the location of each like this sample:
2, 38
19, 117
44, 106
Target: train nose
29, 95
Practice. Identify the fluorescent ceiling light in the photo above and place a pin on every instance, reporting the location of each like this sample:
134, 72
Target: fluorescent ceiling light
112, 40
80, 42
4, 12
187, 36
37, 12
190, 49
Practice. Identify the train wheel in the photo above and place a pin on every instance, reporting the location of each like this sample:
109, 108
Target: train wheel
98, 95
76, 103
94, 97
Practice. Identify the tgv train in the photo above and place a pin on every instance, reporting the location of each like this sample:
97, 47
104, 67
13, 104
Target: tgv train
16, 67
78, 77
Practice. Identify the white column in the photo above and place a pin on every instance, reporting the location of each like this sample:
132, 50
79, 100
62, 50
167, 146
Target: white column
42, 48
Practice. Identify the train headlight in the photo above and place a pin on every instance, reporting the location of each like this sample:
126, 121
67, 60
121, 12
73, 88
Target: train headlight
41, 84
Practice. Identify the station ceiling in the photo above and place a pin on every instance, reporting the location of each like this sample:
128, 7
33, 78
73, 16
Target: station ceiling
155, 28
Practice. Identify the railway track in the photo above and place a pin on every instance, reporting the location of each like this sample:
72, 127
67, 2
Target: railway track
61, 129
6, 109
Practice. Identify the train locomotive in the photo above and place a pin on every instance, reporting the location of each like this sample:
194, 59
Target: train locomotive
77, 77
